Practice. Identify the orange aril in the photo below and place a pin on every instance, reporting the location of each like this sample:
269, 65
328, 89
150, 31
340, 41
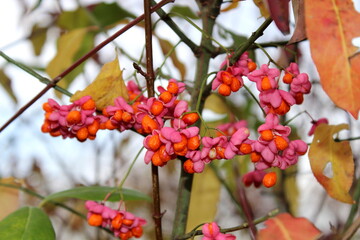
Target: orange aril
281, 143
235, 85
173, 88
73, 117
137, 231
47, 115
165, 96
226, 78
128, 221
190, 118
224, 90
126, 235
245, 148
156, 160
255, 156
267, 135
45, 128
265, 84
193, 143
55, 133
154, 142
126, 117
282, 109
157, 107
95, 220
82, 134
94, 127
251, 66
89, 105
189, 166
164, 156
105, 113
288, 78
269, 179
148, 124
135, 106
178, 147
47, 108
118, 115
117, 221
220, 151
109, 125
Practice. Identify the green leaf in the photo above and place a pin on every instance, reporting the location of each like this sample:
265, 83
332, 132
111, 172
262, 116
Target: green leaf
38, 38
105, 14
109, 13
185, 11
5, 82
27, 223
97, 193
71, 20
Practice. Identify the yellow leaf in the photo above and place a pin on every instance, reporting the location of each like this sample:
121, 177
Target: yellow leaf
264, 11
216, 104
9, 197
324, 151
166, 48
5, 82
204, 198
107, 86
68, 46
232, 5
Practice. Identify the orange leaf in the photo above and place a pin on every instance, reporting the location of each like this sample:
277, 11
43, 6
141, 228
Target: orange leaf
324, 151
286, 227
262, 5
9, 197
330, 26
232, 5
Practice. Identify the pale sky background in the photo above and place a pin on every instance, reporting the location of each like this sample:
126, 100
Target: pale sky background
22, 141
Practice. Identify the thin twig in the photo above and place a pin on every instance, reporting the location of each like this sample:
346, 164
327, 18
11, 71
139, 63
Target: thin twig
33, 73
165, 17
150, 78
80, 61
35, 194
240, 50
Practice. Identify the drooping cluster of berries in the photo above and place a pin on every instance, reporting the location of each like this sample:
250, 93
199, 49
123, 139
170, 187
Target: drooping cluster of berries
124, 224
273, 147
211, 231
74, 120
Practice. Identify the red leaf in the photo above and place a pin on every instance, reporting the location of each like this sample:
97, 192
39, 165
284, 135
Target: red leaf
299, 32
286, 227
279, 11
